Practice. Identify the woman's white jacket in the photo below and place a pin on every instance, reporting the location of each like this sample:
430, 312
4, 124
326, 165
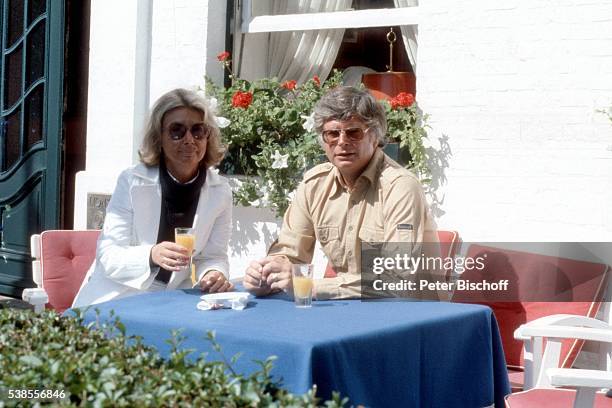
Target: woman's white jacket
130, 231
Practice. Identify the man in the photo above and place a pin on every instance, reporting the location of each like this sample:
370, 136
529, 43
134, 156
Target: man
361, 195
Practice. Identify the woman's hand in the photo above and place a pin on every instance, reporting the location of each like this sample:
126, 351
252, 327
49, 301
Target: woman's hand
170, 256
214, 281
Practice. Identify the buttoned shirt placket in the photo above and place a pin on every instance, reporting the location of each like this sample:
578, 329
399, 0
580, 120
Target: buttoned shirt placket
355, 207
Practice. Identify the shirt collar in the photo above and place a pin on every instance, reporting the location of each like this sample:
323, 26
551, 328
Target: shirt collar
151, 174
370, 173
178, 182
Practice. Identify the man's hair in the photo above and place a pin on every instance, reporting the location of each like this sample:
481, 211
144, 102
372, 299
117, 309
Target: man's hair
347, 102
150, 149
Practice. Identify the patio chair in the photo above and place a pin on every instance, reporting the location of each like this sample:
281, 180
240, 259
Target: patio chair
584, 384
61, 261
450, 242
568, 286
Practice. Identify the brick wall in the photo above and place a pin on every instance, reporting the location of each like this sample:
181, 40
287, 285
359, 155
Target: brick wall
513, 88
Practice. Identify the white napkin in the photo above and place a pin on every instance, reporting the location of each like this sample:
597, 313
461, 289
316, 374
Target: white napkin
234, 300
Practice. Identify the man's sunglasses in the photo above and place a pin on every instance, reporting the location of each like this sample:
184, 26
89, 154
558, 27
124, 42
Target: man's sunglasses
332, 136
177, 131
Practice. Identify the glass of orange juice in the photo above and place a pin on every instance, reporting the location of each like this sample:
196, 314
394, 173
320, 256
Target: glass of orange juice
186, 237
302, 284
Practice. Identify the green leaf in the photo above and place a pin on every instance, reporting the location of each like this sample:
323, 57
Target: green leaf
30, 360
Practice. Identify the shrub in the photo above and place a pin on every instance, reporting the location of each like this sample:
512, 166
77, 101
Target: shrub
98, 365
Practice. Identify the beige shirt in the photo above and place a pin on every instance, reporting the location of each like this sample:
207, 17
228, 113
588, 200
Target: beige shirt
384, 196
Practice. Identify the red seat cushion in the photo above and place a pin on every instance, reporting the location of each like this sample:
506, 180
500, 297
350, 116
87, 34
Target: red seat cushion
516, 375
330, 272
551, 398
65, 258
541, 285
449, 243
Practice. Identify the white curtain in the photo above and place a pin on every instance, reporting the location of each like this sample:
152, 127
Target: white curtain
300, 55
409, 33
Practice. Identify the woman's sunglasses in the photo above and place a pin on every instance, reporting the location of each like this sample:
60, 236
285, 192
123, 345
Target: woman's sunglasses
177, 131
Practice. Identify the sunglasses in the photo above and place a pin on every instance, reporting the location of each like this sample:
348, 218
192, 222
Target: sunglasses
332, 136
177, 131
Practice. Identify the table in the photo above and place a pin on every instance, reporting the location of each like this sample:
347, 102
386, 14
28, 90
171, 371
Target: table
379, 354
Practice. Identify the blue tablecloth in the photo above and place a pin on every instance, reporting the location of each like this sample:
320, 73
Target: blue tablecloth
379, 354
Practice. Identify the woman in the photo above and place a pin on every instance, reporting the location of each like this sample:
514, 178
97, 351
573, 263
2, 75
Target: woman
174, 186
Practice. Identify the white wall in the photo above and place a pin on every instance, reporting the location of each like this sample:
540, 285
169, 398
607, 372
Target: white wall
185, 38
114, 65
112, 61
514, 86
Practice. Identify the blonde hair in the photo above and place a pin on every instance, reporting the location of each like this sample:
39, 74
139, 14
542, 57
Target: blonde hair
150, 149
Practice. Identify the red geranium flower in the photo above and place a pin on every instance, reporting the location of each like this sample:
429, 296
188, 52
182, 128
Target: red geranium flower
402, 100
242, 99
316, 80
224, 56
290, 85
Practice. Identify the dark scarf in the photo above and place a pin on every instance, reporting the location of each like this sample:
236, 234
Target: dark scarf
178, 207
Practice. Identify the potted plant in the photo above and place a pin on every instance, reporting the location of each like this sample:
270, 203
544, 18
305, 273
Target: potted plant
406, 132
268, 128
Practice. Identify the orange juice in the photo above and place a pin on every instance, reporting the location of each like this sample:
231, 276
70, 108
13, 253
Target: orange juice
302, 284
185, 240
302, 287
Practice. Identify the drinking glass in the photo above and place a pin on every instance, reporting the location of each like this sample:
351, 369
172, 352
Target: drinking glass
186, 237
302, 284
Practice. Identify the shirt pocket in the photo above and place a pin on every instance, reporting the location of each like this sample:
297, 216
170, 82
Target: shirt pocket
329, 237
327, 233
404, 236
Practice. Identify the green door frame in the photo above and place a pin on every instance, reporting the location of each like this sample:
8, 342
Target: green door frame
30, 189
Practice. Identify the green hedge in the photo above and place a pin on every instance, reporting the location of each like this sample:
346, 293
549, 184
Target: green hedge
98, 365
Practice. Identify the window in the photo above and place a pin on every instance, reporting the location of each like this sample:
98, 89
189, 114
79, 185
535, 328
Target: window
362, 25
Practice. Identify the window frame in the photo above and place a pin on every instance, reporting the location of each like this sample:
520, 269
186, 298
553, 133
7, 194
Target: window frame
400, 16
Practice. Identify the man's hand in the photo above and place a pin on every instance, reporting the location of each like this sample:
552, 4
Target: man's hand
277, 272
269, 275
254, 281
214, 281
170, 255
